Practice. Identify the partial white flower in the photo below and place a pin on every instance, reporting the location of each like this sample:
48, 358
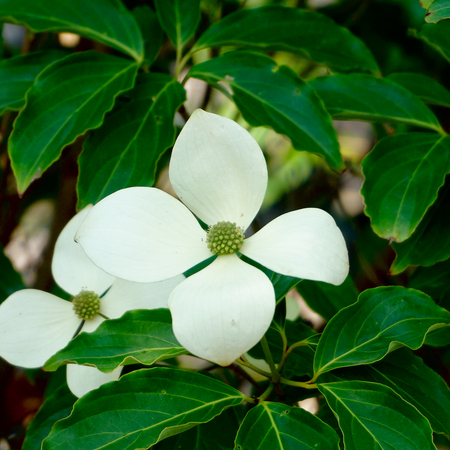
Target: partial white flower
34, 325
218, 171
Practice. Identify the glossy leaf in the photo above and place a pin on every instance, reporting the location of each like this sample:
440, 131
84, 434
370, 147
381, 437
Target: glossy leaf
140, 336
274, 426
437, 36
373, 416
327, 299
17, 75
119, 31
274, 96
10, 281
293, 30
56, 407
438, 10
151, 30
141, 409
382, 320
430, 241
426, 88
68, 98
124, 152
365, 97
179, 19
403, 174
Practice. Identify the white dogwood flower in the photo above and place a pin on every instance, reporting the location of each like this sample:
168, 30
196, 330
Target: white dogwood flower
34, 325
218, 171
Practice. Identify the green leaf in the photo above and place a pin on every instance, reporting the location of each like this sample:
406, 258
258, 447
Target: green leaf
365, 97
274, 426
10, 280
106, 21
426, 88
141, 409
382, 320
293, 30
179, 19
403, 174
327, 299
68, 97
56, 407
438, 10
151, 31
17, 75
430, 241
437, 36
373, 416
139, 336
124, 152
275, 96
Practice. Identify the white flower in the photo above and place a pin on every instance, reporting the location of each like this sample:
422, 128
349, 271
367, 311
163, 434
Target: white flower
218, 171
34, 325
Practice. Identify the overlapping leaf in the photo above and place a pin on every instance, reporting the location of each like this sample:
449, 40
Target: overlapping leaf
274, 96
106, 21
17, 75
438, 10
274, 426
140, 336
365, 97
430, 241
124, 152
68, 98
141, 409
382, 320
373, 416
437, 36
403, 174
293, 30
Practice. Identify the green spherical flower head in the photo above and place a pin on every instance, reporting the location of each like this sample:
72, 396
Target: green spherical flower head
86, 304
225, 238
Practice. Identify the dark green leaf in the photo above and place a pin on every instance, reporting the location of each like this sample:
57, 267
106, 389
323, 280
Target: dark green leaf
274, 426
10, 280
140, 336
382, 320
151, 31
403, 174
106, 21
430, 241
437, 36
141, 409
56, 407
293, 30
17, 75
438, 10
426, 88
373, 416
124, 152
365, 97
68, 98
327, 299
179, 19
275, 96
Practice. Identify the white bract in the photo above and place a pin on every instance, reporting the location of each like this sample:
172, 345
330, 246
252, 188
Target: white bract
218, 171
34, 325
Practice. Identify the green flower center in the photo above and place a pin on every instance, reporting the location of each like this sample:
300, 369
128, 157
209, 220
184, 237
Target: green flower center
225, 238
86, 304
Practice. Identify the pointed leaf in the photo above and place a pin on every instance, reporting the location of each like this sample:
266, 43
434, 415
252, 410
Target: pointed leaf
426, 88
382, 320
10, 281
374, 416
437, 36
141, 409
17, 75
274, 96
140, 336
293, 30
438, 10
410, 168
179, 19
430, 241
119, 31
151, 30
365, 97
274, 426
124, 152
68, 98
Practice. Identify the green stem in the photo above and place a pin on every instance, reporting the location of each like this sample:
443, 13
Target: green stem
181, 62
268, 355
303, 384
266, 393
287, 352
243, 362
